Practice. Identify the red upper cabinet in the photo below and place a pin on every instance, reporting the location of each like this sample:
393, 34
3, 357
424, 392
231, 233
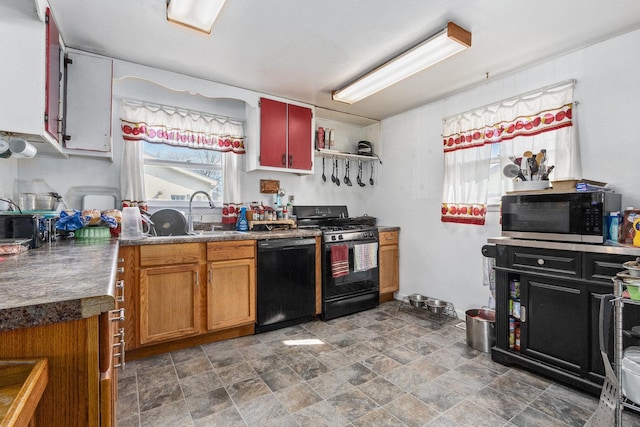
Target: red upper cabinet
273, 133
52, 83
285, 135
299, 126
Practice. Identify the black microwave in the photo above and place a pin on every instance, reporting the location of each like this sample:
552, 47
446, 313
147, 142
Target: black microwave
21, 226
579, 217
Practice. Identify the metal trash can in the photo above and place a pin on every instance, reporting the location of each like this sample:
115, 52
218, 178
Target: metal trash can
481, 329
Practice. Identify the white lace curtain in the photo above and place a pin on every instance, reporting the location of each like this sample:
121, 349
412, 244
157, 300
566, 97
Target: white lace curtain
174, 126
536, 122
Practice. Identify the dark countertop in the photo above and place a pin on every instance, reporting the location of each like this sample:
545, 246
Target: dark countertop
218, 236
580, 247
62, 281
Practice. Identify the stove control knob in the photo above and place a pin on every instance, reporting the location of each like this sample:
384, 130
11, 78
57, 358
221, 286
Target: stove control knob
340, 237
333, 237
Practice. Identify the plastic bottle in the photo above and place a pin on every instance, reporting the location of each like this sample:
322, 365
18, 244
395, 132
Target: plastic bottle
614, 226
242, 224
512, 332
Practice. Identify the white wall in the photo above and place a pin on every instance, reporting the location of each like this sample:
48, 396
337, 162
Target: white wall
443, 260
8, 173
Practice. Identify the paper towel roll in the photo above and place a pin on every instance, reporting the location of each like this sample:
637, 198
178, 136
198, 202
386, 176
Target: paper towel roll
21, 148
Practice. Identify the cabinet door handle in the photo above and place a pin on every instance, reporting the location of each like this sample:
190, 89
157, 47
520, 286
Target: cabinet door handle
120, 353
284, 160
118, 316
120, 291
523, 314
210, 277
290, 161
197, 279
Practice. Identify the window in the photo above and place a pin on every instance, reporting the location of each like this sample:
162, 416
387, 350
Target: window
172, 174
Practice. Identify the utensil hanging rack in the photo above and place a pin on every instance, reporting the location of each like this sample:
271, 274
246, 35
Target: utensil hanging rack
343, 155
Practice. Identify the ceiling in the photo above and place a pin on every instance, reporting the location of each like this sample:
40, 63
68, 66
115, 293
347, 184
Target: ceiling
302, 50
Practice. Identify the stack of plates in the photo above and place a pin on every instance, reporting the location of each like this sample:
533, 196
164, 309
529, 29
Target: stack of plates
631, 279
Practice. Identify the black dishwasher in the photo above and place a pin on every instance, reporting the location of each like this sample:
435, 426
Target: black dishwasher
286, 282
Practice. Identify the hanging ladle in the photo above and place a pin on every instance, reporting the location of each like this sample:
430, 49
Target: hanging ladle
359, 179
333, 170
347, 180
338, 172
371, 178
324, 177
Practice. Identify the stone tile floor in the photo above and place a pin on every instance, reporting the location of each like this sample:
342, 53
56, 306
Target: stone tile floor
382, 367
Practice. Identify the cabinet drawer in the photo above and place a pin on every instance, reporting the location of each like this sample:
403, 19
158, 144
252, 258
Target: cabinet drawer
388, 238
560, 263
602, 267
180, 253
237, 249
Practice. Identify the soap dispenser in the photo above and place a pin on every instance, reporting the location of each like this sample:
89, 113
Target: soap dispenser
242, 224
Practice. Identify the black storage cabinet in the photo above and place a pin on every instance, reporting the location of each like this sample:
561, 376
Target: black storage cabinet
559, 292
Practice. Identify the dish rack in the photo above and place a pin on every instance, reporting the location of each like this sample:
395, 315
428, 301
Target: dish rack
442, 314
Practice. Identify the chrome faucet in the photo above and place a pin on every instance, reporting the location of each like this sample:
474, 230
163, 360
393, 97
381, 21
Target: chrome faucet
190, 218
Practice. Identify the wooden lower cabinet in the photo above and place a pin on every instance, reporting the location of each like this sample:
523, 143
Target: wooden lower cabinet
188, 293
389, 264
169, 302
72, 396
231, 299
231, 288
111, 359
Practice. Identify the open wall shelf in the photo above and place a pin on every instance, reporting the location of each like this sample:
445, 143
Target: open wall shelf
334, 154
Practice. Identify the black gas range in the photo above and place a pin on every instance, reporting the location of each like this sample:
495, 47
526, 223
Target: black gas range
350, 275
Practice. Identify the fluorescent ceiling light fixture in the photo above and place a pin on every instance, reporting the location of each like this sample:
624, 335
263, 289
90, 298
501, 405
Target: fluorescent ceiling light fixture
451, 40
197, 14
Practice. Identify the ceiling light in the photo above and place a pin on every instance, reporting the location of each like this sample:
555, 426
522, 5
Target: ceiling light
446, 43
197, 14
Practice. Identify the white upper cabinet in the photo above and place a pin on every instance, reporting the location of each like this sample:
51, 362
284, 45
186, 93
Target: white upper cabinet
30, 75
87, 129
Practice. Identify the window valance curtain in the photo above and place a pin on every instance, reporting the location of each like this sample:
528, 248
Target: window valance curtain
535, 121
184, 128
161, 124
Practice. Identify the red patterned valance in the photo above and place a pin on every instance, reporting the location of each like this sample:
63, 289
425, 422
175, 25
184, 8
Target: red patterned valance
464, 213
544, 121
160, 134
